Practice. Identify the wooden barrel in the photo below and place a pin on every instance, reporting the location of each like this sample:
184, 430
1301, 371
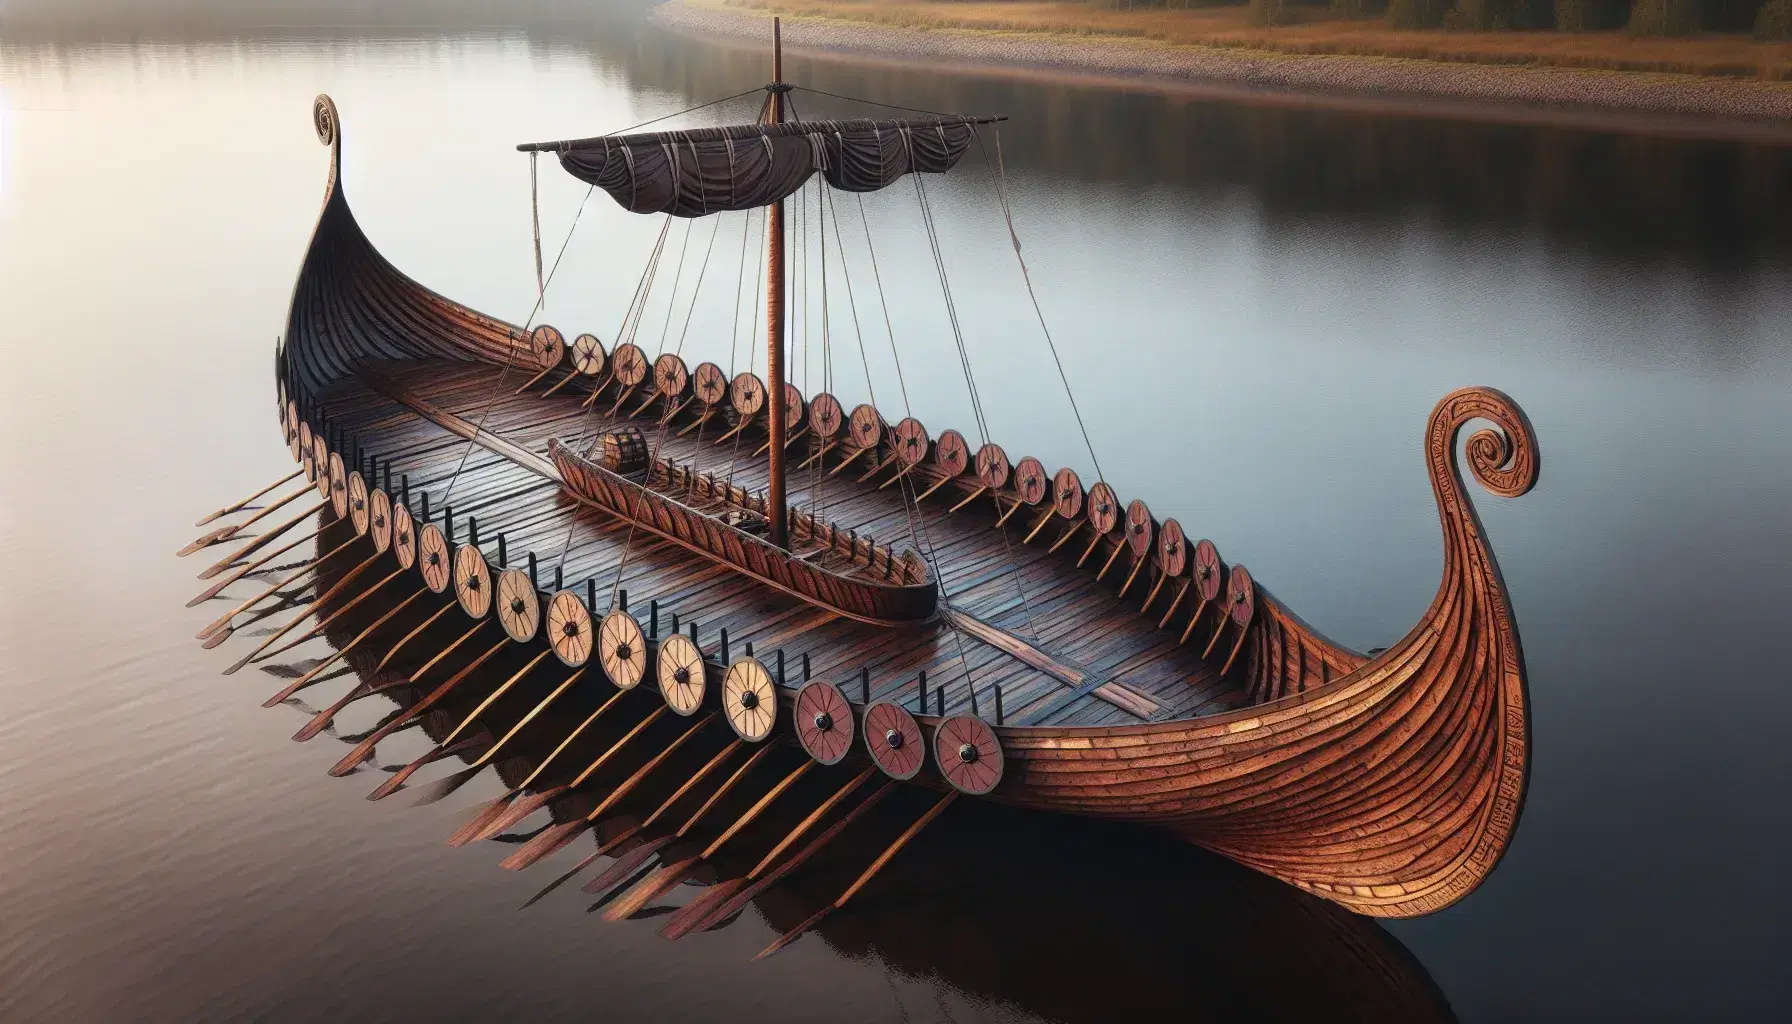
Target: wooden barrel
623, 451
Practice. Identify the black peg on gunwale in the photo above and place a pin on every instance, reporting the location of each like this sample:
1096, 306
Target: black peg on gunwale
805, 666
865, 686
694, 635
921, 684
425, 515
473, 531
622, 600
534, 571
404, 488
653, 618
448, 523
387, 469
725, 658
591, 595
939, 701
559, 578
780, 666
674, 622
973, 688
998, 705
749, 648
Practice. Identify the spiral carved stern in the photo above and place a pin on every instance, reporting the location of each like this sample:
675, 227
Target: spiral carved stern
1393, 789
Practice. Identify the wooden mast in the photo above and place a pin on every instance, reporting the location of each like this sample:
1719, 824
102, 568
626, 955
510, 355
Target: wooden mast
776, 507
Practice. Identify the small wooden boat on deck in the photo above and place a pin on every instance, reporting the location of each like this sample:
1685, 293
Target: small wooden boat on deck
1086, 657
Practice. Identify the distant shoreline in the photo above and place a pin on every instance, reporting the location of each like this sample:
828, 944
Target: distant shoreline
1623, 101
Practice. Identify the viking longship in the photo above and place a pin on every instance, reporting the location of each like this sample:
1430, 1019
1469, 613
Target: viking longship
896, 603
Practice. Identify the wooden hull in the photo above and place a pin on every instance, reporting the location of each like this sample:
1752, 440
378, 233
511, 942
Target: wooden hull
879, 604
1390, 784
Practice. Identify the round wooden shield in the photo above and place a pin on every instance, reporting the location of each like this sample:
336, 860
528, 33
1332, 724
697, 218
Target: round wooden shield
320, 464
749, 699
969, 755
434, 559
1104, 508
303, 452
472, 581
548, 346
569, 628
622, 649
357, 503
992, 466
1067, 493
1172, 548
629, 363
1207, 570
680, 671
865, 427
909, 438
1030, 480
1139, 530
893, 739
793, 406
747, 394
379, 520
709, 383
825, 415
519, 606
338, 485
670, 375
1241, 595
404, 537
823, 721
588, 355
952, 453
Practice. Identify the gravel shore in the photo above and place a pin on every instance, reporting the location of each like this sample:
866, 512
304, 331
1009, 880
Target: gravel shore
1680, 104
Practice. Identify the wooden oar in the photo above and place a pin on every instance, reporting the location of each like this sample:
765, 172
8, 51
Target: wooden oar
603, 849
1192, 619
792, 439
309, 677
737, 428
392, 784
661, 881
531, 382
1175, 603
296, 599
1218, 628
1136, 566
434, 754
826, 446
621, 398
413, 633
449, 783
321, 721
699, 421
557, 836
973, 496
476, 826
239, 506
324, 623
260, 542
1105, 566
528, 805
856, 452
723, 899
224, 620
1050, 514
218, 588
626, 866
563, 382
283, 630
224, 533
877, 865
1075, 528
365, 749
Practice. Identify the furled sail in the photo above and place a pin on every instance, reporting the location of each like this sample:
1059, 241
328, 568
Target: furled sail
702, 171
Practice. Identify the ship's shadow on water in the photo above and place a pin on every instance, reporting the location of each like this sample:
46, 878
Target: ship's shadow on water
1065, 919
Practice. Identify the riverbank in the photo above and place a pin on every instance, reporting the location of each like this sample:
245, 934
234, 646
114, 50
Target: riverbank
1654, 102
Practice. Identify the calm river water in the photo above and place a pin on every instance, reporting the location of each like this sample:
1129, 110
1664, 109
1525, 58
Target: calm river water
1257, 308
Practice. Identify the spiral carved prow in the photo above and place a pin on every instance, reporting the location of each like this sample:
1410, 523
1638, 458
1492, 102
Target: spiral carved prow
1504, 458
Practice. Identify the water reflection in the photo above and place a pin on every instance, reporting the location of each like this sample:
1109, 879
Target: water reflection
1727, 205
1132, 925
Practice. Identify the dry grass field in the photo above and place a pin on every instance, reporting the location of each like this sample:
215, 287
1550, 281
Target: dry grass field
1317, 32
